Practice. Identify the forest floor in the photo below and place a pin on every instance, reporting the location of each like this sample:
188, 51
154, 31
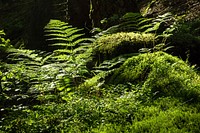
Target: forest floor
189, 8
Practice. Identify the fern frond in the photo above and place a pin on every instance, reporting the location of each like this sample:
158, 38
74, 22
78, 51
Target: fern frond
59, 44
129, 22
61, 57
82, 41
59, 33
70, 48
25, 55
143, 21
2, 33
153, 29
66, 51
75, 37
58, 39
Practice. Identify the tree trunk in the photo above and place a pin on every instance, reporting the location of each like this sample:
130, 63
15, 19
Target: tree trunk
40, 16
79, 13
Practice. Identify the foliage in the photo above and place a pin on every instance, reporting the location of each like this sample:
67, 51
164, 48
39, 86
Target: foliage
122, 108
41, 75
4, 43
57, 92
162, 27
35, 77
127, 23
26, 81
135, 22
186, 41
172, 117
71, 47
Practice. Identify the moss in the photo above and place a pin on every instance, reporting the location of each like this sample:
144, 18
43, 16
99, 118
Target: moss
166, 115
173, 120
91, 86
113, 45
159, 74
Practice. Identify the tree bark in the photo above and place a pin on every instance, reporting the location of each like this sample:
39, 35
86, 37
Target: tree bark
40, 16
79, 13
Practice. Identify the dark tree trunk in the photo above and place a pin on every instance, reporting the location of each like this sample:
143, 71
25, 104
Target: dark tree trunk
40, 16
79, 11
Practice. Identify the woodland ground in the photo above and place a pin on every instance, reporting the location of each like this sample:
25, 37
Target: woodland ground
140, 75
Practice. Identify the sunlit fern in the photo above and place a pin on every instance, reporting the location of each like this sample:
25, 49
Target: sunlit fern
129, 22
162, 25
66, 39
4, 43
71, 47
42, 75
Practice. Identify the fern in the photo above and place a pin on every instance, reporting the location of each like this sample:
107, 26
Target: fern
129, 22
4, 43
71, 47
162, 25
33, 76
41, 74
64, 36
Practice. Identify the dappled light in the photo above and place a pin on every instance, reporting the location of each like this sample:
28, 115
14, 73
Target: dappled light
73, 66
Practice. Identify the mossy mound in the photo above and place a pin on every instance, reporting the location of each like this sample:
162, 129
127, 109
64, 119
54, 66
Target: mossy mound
160, 74
113, 45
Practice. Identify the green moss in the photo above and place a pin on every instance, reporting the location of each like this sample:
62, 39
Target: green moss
173, 120
161, 116
160, 74
113, 45
91, 87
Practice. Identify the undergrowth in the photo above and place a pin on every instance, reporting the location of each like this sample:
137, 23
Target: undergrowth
59, 92
186, 41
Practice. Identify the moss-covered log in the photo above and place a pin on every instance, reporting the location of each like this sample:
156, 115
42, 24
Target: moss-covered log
113, 45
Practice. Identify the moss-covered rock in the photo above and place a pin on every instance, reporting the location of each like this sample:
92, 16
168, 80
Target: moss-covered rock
113, 45
160, 74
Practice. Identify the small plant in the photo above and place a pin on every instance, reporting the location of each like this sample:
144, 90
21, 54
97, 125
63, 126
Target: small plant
4, 43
